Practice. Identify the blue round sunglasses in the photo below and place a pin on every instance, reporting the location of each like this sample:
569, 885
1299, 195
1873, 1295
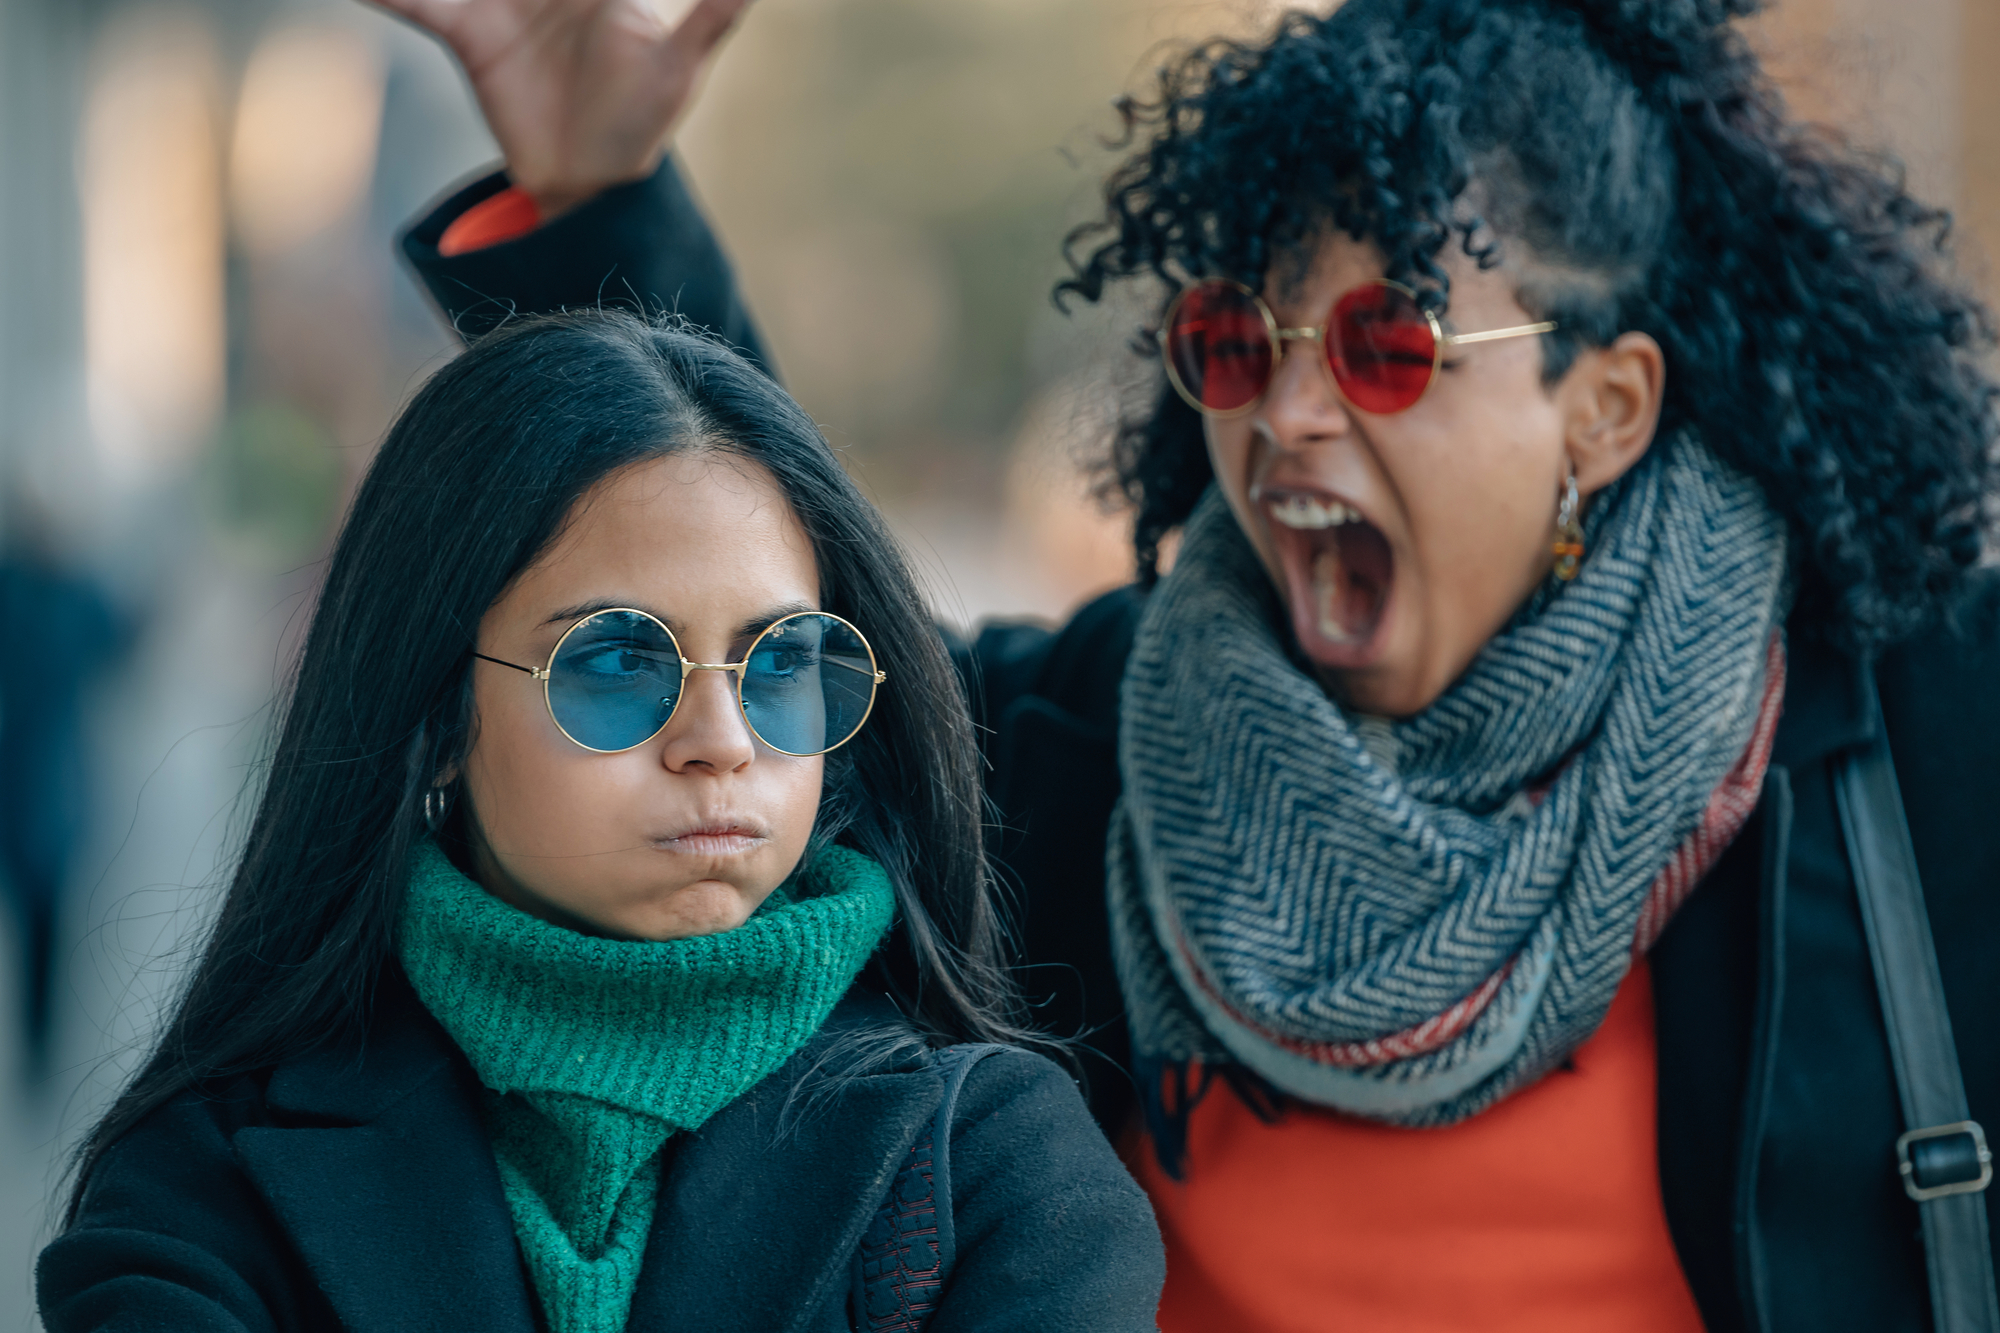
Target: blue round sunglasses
615, 679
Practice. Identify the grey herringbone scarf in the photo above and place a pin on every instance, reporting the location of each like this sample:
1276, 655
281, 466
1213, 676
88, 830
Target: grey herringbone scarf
1407, 920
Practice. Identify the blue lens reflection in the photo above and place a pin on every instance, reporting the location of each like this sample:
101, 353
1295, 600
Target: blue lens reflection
614, 681
808, 684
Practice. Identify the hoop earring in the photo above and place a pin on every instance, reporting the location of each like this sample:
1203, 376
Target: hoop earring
1568, 544
437, 804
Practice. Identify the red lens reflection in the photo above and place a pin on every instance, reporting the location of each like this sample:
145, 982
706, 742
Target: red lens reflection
1381, 348
1219, 346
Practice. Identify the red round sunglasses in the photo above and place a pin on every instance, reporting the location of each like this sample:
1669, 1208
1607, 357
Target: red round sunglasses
1222, 344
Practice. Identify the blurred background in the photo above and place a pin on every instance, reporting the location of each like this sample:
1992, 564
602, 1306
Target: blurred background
204, 332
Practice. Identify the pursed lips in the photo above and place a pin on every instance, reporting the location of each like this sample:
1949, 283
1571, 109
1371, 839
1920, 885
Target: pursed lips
714, 837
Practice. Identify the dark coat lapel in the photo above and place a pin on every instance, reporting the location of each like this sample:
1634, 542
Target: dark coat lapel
757, 1228
390, 1192
1827, 707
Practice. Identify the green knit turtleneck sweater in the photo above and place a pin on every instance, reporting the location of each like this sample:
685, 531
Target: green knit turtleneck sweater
594, 1051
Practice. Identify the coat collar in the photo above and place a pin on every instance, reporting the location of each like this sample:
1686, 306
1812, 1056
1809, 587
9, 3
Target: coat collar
387, 1186
385, 1182
794, 1186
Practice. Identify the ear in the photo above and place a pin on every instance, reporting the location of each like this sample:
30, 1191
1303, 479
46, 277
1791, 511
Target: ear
1611, 408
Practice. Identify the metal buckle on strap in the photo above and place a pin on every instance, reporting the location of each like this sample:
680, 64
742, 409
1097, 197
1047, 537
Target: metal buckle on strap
1943, 1160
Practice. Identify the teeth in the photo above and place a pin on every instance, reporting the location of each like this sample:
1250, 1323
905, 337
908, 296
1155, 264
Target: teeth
1304, 512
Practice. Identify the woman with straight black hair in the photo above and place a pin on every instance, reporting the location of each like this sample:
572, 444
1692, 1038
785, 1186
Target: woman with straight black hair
613, 946
1533, 853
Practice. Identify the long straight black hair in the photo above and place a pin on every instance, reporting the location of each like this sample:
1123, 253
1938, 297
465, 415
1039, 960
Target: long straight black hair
475, 480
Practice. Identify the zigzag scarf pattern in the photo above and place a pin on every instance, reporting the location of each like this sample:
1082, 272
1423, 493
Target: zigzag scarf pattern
1409, 919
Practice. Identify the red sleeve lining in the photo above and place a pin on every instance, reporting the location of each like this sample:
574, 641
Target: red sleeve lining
501, 217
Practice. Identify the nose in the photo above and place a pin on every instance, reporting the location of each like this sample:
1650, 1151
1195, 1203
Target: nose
708, 732
1302, 407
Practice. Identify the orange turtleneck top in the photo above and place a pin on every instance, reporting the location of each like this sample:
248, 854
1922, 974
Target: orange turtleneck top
1541, 1214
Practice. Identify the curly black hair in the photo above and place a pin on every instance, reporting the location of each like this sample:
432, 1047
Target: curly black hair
1636, 150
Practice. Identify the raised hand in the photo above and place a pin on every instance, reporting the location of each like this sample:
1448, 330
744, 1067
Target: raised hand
581, 94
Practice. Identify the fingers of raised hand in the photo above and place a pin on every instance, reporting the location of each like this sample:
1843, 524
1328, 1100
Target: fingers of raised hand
699, 31
434, 16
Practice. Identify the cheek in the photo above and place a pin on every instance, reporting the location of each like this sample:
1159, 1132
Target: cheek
1232, 454
532, 791
1480, 505
794, 787
1483, 529
1229, 455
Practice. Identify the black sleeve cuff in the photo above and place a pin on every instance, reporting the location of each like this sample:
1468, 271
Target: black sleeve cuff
642, 246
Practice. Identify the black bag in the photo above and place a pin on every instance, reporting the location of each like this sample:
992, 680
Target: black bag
1943, 1156
906, 1253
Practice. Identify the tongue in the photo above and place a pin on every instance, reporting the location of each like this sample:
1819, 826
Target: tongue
1347, 586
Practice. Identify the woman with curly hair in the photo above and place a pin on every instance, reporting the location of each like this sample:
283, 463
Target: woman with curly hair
1483, 848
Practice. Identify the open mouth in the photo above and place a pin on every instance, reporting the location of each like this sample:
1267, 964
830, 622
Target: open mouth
1338, 570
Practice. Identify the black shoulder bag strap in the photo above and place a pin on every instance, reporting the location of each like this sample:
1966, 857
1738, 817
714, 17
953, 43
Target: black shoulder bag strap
1945, 1163
906, 1254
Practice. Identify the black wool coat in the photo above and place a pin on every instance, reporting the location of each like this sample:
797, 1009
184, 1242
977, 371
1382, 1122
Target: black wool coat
355, 1190
1778, 1110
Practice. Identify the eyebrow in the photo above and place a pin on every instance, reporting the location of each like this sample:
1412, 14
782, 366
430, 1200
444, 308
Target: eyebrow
755, 625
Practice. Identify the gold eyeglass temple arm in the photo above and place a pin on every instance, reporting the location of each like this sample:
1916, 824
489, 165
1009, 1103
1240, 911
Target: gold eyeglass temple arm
879, 676
1449, 339
538, 673
1518, 331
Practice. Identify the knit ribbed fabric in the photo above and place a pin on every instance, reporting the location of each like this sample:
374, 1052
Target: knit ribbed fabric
594, 1051
1409, 920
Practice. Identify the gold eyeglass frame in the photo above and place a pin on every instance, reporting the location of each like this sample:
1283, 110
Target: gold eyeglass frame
688, 668
1280, 336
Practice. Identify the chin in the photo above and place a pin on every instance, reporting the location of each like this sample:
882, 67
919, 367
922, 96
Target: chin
1377, 694
1400, 686
707, 907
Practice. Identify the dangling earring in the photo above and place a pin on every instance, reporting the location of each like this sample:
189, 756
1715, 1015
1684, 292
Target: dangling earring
437, 804
1568, 544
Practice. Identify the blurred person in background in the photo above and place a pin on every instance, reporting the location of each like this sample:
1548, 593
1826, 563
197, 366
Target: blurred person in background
1493, 848
64, 634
